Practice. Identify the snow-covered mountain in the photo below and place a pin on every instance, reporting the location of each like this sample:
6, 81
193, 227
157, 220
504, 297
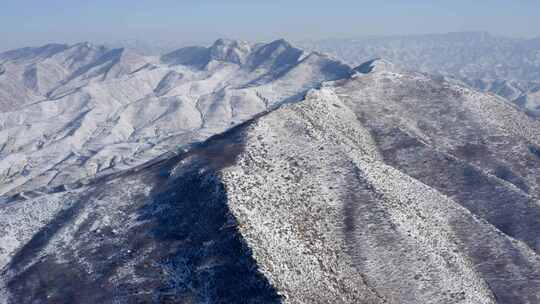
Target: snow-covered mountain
525, 94
71, 112
509, 67
244, 173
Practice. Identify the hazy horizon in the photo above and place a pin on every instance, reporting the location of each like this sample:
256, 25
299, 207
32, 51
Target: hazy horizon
188, 22
164, 43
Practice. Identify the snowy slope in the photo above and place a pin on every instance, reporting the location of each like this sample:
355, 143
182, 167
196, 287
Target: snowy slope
72, 112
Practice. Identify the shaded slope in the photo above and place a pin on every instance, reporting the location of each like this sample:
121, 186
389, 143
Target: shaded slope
162, 235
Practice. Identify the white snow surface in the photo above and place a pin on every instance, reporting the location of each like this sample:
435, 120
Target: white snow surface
69, 113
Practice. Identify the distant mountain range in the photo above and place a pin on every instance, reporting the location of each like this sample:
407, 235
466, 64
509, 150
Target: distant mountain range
508, 67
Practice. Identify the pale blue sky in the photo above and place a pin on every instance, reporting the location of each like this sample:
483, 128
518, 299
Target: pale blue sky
40, 21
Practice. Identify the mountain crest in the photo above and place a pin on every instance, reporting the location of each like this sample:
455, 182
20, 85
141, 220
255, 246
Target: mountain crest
376, 65
31, 53
278, 53
234, 51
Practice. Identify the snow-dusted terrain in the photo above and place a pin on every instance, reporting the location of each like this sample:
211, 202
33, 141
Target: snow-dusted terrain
509, 67
71, 112
248, 173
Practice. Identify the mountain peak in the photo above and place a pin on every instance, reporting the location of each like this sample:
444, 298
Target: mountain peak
277, 54
376, 65
29, 53
227, 41
226, 50
86, 46
195, 56
234, 51
280, 42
